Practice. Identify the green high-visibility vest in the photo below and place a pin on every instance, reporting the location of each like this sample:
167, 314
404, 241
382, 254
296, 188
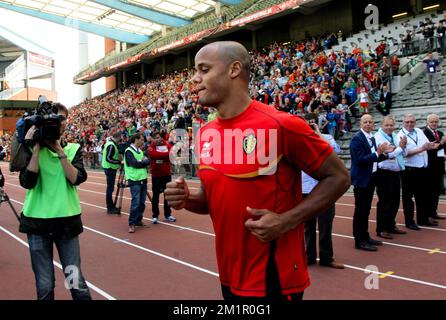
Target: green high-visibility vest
53, 196
131, 173
105, 164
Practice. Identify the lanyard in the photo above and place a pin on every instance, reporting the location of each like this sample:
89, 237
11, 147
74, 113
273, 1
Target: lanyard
407, 135
387, 137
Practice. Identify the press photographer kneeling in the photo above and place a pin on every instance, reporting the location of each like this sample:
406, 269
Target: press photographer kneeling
52, 212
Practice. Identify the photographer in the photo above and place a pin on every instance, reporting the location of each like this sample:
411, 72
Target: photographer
52, 212
111, 163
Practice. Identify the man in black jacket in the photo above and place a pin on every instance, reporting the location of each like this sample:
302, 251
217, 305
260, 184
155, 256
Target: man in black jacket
441, 34
385, 101
435, 166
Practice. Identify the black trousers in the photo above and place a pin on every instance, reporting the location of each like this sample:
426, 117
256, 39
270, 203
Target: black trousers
110, 175
435, 180
324, 222
415, 185
229, 296
388, 190
272, 284
158, 187
363, 203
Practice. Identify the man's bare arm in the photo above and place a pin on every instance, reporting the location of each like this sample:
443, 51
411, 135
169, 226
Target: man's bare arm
334, 180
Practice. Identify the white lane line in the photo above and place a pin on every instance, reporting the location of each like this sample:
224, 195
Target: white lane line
374, 207
162, 204
153, 252
101, 176
103, 184
350, 194
159, 222
392, 244
216, 274
124, 241
370, 220
181, 228
58, 265
431, 284
191, 229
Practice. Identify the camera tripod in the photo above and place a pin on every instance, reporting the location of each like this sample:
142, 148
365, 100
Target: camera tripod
5, 198
120, 191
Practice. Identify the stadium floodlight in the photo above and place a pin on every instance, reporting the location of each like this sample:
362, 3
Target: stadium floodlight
431, 7
402, 14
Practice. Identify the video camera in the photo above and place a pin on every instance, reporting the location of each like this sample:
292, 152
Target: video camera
46, 120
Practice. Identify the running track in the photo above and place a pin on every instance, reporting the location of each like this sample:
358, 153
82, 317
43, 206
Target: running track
176, 261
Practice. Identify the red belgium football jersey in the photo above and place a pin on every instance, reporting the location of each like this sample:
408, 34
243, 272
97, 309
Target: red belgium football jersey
254, 159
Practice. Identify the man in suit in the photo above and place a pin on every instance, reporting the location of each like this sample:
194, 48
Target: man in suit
385, 101
435, 164
365, 156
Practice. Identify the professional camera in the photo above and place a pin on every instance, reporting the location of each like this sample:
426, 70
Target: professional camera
46, 120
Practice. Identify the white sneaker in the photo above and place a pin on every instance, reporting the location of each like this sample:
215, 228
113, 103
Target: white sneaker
154, 220
171, 219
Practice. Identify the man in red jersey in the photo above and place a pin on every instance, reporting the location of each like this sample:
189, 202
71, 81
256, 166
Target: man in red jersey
160, 169
250, 159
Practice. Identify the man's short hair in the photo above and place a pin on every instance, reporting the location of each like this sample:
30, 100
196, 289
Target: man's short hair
134, 137
388, 117
60, 107
117, 135
311, 116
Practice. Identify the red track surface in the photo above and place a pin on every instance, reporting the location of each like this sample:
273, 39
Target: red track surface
177, 260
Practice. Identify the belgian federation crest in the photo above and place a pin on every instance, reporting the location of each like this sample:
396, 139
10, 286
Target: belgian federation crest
249, 143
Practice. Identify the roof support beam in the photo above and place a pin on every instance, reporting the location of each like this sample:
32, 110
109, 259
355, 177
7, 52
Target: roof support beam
101, 30
22, 43
144, 13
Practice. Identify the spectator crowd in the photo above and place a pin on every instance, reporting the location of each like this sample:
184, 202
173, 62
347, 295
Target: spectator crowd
295, 77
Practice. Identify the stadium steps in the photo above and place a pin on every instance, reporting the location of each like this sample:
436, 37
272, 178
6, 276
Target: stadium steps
417, 92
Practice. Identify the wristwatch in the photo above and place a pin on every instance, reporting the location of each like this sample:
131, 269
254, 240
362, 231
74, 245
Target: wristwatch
64, 156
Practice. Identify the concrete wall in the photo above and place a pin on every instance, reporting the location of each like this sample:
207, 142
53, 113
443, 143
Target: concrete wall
110, 83
331, 18
109, 45
33, 94
400, 82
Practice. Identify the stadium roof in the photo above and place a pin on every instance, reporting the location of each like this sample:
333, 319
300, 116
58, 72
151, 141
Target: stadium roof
131, 21
12, 46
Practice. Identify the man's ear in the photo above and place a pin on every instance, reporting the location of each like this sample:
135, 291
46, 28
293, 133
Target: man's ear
235, 69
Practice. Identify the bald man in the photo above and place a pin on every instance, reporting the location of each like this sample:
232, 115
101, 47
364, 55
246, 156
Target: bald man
250, 162
365, 155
